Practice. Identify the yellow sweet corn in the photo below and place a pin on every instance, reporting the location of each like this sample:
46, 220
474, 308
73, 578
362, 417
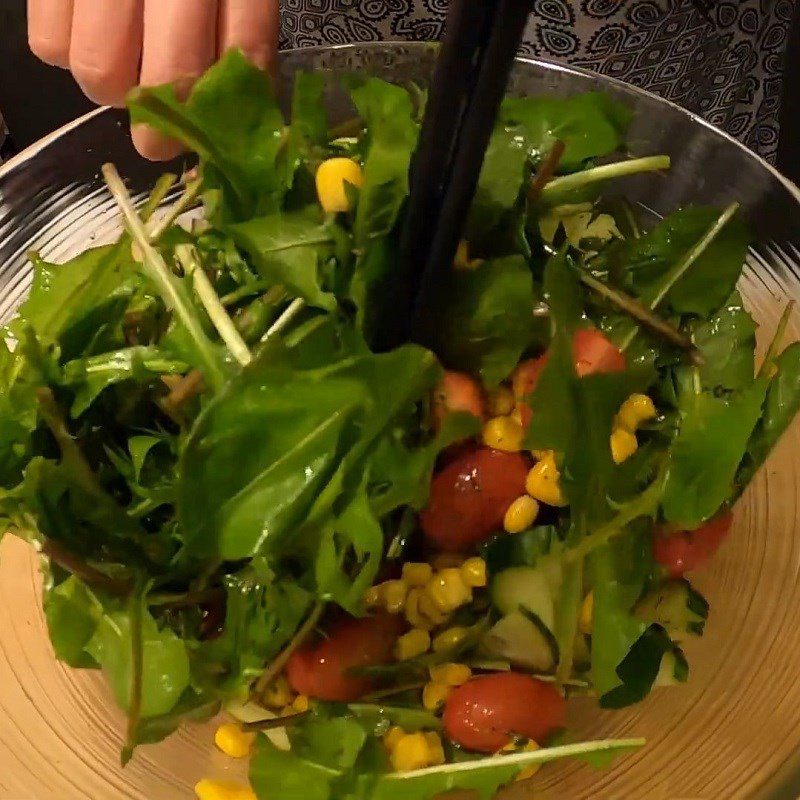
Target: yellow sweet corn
392, 737
450, 674
300, 704
411, 752
638, 408
462, 260
586, 614
233, 741
434, 696
412, 644
435, 749
417, 574
413, 615
447, 590
473, 572
528, 772
503, 433
332, 175
521, 514
623, 445
501, 401
544, 481
278, 694
208, 789
394, 596
373, 597
430, 610
448, 639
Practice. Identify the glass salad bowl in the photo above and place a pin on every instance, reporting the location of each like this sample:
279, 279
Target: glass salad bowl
732, 732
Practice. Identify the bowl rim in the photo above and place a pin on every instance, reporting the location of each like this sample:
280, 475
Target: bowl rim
30, 152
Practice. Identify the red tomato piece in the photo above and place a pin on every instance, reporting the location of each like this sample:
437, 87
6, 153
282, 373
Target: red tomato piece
470, 496
458, 392
486, 712
594, 353
685, 551
525, 414
526, 376
320, 669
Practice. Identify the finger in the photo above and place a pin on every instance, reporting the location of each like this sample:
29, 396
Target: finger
180, 43
49, 27
252, 26
105, 48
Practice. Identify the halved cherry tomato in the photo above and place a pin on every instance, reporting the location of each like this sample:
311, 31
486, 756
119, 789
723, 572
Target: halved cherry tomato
486, 712
457, 392
470, 497
684, 551
320, 669
594, 353
526, 376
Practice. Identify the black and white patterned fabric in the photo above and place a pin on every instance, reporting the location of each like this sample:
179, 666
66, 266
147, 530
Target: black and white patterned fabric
722, 59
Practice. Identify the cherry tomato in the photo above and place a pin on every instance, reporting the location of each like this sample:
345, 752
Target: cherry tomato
594, 353
526, 376
685, 551
470, 496
486, 712
457, 392
320, 669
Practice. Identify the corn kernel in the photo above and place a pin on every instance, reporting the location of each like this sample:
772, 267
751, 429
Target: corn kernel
410, 753
450, 674
449, 639
544, 481
501, 402
413, 615
521, 514
586, 614
638, 408
444, 560
435, 749
462, 261
503, 433
412, 644
434, 696
394, 596
207, 789
331, 178
623, 445
417, 574
528, 772
278, 694
373, 597
432, 612
301, 704
392, 737
448, 590
473, 572
233, 741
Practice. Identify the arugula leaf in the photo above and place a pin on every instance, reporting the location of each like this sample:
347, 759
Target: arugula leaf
233, 122
640, 264
481, 320
291, 248
309, 120
704, 457
165, 663
281, 773
192, 707
72, 613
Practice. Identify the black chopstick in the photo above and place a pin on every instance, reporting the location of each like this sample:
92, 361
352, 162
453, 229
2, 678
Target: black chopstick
469, 81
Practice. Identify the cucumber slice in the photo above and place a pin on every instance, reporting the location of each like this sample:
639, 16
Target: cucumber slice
524, 640
674, 668
676, 606
525, 587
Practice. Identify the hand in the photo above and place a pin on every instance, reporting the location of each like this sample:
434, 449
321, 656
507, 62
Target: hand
110, 46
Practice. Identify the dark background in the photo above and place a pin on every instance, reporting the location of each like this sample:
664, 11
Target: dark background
36, 99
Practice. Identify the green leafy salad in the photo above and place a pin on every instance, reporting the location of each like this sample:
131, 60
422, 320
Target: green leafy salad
394, 567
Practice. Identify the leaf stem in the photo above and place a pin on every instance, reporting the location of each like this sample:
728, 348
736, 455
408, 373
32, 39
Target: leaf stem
171, 291
643, 315
777, 339
303, 632
183, 203
284, 319
619, 169
393, 690
274, 722
163, 185
184, 599
546, 170
137, 663
76, 566
187, 256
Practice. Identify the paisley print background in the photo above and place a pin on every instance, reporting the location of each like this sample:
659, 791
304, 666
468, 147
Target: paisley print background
722, 59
